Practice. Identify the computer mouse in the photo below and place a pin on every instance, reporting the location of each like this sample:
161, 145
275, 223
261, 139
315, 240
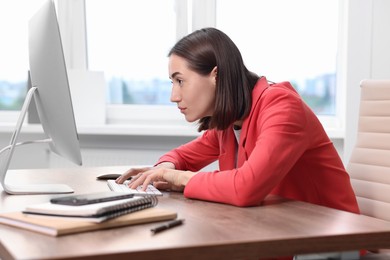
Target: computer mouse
108, 176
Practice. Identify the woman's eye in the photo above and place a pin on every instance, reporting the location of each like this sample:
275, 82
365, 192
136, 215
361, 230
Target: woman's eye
177, 81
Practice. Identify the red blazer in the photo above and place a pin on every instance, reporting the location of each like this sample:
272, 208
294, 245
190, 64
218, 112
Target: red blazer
283, 150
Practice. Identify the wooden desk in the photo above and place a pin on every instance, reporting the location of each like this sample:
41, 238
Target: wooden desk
211, 230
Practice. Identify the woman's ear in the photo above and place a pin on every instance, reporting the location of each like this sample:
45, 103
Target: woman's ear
214, 73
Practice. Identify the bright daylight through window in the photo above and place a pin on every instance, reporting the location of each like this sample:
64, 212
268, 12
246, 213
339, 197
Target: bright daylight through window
131, 45
129, 42
297, 43
14, 51
288, 40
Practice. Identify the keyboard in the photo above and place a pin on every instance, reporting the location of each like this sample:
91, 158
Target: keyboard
151, 190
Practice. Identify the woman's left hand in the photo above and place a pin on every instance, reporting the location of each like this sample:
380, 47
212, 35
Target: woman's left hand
162, 178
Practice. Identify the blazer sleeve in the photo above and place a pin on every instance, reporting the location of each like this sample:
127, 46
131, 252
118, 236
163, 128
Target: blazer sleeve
196, 154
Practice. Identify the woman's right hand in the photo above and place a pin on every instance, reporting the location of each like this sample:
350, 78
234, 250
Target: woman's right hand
135, 171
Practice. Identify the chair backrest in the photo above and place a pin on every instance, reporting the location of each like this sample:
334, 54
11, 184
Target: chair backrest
369, 166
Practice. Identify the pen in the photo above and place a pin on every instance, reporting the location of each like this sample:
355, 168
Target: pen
168, 225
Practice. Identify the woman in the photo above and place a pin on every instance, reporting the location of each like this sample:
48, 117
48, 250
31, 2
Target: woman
267, 140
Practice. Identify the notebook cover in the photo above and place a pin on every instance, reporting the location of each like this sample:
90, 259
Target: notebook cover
57, 226
90, 209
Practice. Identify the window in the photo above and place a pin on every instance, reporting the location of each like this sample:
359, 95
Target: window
129, 40
14, 16
298, 43
130, 44
288, 40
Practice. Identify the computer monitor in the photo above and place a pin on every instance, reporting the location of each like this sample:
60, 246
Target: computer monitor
51, 93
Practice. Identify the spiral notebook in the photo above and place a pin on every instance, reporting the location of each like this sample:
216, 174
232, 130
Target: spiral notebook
97, 212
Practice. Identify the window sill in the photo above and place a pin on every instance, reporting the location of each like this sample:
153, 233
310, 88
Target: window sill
188, 130
115, 129
140, 129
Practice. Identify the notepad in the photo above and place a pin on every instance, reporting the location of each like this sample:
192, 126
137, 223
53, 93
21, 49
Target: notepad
54, 226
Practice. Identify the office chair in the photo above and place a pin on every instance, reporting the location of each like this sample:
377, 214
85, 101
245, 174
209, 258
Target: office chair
369, 165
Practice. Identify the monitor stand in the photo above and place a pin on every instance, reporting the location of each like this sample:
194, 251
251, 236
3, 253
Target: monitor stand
37, 189
7, 152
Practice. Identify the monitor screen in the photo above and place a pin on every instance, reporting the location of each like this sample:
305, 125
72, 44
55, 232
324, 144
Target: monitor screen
51, 92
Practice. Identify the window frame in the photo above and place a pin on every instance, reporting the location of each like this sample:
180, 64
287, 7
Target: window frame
192, 16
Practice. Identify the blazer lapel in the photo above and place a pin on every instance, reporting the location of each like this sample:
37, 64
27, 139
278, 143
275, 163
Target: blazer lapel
261, 85
228, 153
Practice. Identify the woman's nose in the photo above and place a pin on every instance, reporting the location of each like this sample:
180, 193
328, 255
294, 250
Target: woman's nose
175, 95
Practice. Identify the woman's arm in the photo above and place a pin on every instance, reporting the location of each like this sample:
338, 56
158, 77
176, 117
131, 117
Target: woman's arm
277, 136
174, 169
196, 154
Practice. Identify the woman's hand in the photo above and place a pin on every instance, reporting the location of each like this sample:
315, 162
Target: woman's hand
134, 171
163, 177
131, 172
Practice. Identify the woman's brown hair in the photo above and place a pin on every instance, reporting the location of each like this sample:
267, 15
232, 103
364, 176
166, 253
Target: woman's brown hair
206, 49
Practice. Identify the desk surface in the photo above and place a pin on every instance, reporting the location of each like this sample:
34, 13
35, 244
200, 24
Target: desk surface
211, 230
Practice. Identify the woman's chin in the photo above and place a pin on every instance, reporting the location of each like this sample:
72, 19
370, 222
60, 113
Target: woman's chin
191, 119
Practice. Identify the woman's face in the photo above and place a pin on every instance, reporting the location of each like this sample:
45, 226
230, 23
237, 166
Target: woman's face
193, 92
